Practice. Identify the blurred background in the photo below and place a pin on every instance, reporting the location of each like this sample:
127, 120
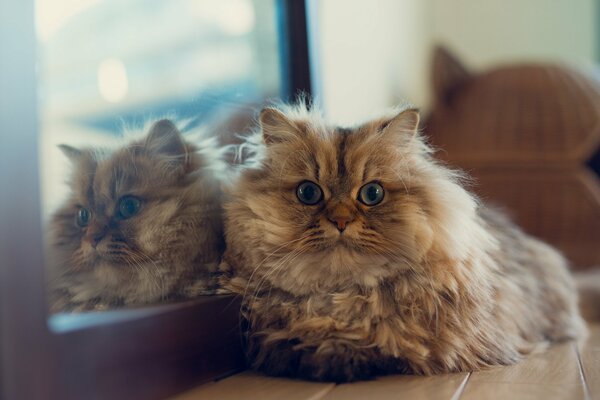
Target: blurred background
106, 65
373, 54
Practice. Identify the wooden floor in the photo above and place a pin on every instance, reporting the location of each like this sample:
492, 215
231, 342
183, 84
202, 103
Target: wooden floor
565, 371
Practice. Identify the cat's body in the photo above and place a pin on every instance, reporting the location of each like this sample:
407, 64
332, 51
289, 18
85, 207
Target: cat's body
143, 225
353, 283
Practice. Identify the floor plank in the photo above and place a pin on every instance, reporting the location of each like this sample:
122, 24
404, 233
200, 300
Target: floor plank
251, 386
400, 387
520, 391
554, 374
589, 352
558, 373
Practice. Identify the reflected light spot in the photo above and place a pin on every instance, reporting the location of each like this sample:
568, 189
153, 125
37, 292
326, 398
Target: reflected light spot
52, 15
112, 80
236, 17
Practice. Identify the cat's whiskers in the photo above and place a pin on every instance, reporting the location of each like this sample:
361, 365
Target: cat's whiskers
144, 263
141, 263
78, 258
265, 259
387, 243
249, 282
303, 245
272, 271
281, 269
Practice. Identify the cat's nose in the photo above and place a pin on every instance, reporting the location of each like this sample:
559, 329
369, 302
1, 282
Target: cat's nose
341, 215
341, 222
94, 236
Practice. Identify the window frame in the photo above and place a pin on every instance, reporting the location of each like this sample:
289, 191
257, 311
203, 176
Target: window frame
147, 353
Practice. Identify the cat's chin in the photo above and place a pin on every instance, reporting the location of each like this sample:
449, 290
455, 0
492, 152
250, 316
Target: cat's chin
105, 254
114, 259
344, 243
334, 268
334, 240
95, 259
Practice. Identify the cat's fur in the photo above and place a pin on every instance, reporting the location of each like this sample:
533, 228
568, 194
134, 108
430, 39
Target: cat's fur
428, 281
169, 250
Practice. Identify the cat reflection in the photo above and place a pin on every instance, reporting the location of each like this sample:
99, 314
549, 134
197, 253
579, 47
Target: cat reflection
142, 225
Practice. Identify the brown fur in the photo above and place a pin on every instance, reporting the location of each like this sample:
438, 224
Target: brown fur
428, 281
169, 250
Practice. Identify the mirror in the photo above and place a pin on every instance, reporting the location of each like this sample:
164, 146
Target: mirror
136, 101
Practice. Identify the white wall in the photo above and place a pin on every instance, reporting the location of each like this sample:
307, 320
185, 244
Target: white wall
370, 55
485, 32
374, 53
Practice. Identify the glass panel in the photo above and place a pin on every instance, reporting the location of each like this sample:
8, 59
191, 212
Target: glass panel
132, 207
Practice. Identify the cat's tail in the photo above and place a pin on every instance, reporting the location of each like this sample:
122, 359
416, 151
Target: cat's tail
588, 285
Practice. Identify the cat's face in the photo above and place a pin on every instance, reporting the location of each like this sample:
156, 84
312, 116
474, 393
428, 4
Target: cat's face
130, 209
336, 203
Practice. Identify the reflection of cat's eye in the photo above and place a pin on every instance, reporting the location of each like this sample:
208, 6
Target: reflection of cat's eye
371, 194
309, 193
83, 217
129, 206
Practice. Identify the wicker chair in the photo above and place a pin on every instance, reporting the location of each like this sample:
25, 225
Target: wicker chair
530, 135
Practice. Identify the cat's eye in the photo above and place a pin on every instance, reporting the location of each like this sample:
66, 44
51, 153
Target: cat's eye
83, 217
371, 194
129, 206
309, 193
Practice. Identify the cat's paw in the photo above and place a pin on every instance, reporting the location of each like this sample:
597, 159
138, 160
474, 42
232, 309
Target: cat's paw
336, 361
332, 361
223, 290
336, 368
199, 288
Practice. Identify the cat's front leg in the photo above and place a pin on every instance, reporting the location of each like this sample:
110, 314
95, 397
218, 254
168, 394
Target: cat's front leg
232, 279
64, 301
332, 361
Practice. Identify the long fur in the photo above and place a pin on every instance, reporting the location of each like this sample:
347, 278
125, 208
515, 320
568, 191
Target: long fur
169, 250
428, 281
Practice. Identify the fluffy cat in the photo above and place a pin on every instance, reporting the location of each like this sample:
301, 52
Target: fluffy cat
357, 254
143, 224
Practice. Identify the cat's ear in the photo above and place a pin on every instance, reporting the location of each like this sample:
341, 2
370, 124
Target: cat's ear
406, 122
165, 139
276, 126
71, 152
449, 75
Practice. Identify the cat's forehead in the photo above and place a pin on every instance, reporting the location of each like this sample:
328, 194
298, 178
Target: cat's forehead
346, 156
122, 173
100, 183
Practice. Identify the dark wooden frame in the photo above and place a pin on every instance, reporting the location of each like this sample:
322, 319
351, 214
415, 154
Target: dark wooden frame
294, 48
146, 353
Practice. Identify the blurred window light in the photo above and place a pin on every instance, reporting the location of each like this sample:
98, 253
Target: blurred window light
236, 17
109, 64
112, 80
51, 15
